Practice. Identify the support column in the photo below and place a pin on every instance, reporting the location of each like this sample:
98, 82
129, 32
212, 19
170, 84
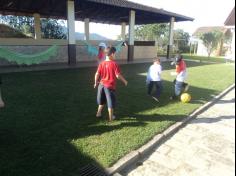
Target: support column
195, 48
131, 36
86, 29
123, 31
37, 26
171, 37
71, 32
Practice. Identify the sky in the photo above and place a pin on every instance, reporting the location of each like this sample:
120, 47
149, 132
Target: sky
205, 13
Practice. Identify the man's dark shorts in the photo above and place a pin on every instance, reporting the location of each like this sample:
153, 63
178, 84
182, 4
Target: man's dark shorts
106, 96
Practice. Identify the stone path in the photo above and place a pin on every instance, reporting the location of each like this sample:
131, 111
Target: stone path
204, 147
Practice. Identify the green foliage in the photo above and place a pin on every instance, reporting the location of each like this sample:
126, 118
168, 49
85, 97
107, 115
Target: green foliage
51, 28
21, 23
154, 32
181, 41
160, 34
211, 40
228, 37
119, 37
151, 32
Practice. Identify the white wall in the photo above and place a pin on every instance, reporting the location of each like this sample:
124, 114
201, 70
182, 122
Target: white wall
201, 50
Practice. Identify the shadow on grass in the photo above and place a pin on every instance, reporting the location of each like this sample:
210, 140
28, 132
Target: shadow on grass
48, 151
38, 153
45, 111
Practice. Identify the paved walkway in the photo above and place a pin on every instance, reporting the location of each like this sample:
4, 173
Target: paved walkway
204, 147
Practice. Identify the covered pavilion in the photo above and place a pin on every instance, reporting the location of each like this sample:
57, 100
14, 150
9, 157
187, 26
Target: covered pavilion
118, 12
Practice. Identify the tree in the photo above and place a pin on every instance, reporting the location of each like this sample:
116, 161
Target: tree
20, 23
160, 34
151, 31
181, 41
211, 40
155, 32
51, 28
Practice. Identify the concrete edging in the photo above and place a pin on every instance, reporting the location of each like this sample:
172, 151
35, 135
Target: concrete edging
136, 154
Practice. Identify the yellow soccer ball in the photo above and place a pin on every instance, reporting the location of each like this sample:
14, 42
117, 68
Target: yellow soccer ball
185, 98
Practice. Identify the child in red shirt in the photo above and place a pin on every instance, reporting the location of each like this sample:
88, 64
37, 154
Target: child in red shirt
108, 71
101, 52
181, 75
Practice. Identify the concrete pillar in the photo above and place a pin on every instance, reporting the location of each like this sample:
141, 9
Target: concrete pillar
71, 32
37, 26
171, 37
195, 48
123, 31
86, 29
131, 36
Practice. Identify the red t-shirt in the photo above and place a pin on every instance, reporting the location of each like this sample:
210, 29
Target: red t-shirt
101, 56
181, 67
108, 70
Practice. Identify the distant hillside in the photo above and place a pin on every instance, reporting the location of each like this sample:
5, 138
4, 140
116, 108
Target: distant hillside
9, 32
93, 36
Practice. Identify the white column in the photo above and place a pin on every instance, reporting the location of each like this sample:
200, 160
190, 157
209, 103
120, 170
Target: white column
171, 36
123, 31
71, 32
131, 27
86, 29
131, 36
37, 26
71, 21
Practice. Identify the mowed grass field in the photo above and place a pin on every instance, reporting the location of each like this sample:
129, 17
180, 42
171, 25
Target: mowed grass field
49, 128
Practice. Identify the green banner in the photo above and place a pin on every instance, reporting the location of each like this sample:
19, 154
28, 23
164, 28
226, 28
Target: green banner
28, 59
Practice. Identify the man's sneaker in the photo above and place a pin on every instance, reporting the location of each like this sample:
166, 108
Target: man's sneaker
154, 98
113, 117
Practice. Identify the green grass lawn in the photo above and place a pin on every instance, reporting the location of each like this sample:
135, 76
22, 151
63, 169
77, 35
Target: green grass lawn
48, 127
205, 58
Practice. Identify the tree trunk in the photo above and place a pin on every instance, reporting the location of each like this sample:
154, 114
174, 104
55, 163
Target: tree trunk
209, 55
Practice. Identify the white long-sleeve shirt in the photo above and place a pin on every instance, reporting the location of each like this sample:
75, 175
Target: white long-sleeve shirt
154, 73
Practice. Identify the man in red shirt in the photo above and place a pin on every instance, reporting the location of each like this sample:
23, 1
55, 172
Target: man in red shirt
108, 71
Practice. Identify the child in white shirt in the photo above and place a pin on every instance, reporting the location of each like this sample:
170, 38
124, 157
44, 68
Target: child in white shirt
154, 78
